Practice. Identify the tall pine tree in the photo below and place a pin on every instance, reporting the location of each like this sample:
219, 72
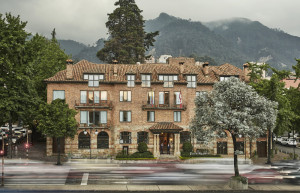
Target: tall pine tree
128, 41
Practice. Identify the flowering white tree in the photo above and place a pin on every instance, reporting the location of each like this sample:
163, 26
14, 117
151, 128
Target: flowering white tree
236, 107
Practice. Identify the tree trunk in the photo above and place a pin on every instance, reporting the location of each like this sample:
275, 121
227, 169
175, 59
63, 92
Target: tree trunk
235, 157
10, 138
269, 145
58, 157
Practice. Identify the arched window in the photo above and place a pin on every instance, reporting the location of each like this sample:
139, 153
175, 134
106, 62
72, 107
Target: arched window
84, 141
185, 136
102, 140
142, 136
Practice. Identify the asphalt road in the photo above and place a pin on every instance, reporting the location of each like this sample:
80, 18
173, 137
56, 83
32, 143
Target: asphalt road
288, 149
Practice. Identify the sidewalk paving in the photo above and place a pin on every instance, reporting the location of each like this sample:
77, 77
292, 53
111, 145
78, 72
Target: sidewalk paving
149, 188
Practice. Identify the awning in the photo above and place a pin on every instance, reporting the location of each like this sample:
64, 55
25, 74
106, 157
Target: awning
165, 127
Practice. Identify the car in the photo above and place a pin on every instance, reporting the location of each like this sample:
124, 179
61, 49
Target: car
292, 142
293, 177
284, 141
264, 175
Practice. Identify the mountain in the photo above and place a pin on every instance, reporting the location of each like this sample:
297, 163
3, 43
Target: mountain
79, 51
259, 42
234, 41
179, 37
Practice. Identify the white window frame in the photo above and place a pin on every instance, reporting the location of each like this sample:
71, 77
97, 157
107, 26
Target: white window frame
130, 80
177, 116
168, 80
150, 116
146, 80
191, 81
57, 93
122, 94
122, 116
93, 79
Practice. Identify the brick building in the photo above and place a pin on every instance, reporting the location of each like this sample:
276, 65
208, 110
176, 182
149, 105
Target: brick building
120, 105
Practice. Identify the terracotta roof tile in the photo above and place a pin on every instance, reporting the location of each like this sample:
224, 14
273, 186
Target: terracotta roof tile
165, 126
85, 66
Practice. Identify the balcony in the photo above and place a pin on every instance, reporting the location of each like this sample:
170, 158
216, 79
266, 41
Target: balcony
95, 126
100, 105
146, 106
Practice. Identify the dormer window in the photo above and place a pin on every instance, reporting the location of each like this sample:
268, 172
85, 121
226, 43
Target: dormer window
146, 80
191, 81
222, 78
93, 79
168, 79
130, 79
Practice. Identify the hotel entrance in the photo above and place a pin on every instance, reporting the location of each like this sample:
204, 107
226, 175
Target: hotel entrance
164, 134
166, 142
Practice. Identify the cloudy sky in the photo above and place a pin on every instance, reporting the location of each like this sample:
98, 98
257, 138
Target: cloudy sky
84, 20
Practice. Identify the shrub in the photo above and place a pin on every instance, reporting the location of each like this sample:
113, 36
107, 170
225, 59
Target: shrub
122, 154
187, 147
142, 147
146, 154
185, 154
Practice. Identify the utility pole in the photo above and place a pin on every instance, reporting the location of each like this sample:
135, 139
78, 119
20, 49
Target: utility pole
2, 153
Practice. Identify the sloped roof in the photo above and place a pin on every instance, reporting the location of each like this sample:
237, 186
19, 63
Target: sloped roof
121, 70
165, 127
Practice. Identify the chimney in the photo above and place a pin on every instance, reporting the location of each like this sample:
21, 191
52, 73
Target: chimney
69, 65
246, 71
205, 68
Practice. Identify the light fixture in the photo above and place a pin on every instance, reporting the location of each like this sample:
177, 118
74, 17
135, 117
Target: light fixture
85, 132
96, 132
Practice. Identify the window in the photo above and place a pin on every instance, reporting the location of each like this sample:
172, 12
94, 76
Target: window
93, 79
142, 136
125, 96
146, 80
191, 80
84, 141
222, 148
150, 98
185, 136
130, 79
92, 97
102, 140
125, 116
222, 78
177, 116
163, 98
150, 116
240, 146
201, 93
58, 94
93, 117
177, 98
168, 79
125, 137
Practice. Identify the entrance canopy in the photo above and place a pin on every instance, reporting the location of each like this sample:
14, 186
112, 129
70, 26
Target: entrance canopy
165, 127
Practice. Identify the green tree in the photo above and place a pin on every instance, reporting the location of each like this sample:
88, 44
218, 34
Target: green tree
57, 120
236, 107
17, 92
297, 70
128, 41
274, 90
46, 58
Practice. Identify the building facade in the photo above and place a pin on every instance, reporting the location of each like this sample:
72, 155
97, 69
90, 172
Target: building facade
120, 105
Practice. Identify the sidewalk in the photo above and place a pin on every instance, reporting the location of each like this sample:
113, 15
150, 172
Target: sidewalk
173, 188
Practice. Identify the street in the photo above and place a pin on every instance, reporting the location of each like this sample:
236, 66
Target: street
288, 149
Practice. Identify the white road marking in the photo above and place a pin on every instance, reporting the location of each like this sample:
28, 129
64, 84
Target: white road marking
85, 178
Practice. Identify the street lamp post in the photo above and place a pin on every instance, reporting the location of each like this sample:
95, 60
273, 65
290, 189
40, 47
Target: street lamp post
2, 153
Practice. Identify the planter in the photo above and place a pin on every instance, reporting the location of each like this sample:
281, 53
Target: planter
238, 183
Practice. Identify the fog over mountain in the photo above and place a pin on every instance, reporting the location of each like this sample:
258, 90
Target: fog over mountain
234, 41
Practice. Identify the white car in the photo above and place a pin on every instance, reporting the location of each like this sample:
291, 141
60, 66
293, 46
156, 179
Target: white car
284, 141
292, 142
